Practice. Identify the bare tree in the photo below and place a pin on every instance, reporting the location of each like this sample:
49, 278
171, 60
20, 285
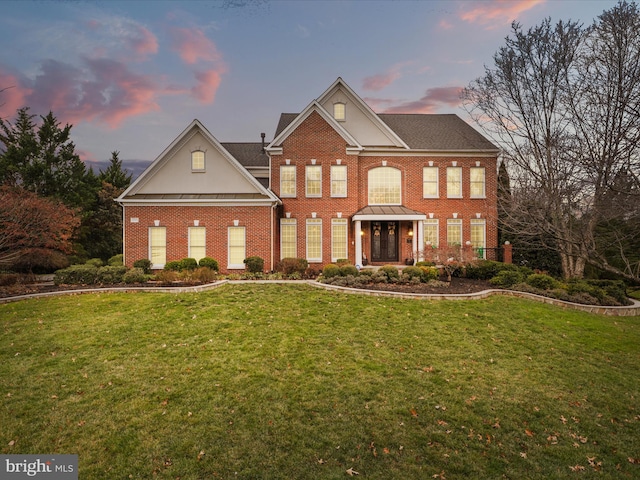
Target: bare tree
562, 101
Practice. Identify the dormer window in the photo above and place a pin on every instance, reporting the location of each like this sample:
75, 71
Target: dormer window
197, 161
340, 111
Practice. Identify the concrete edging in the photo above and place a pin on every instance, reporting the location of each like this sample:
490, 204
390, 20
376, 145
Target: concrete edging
626, 311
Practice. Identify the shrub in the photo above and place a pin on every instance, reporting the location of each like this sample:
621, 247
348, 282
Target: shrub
412, 272
507, 278
8, 279
342, 261
542, 281
254, 264
429, 273
209, 262
613, 288
135, 275
379, 277
189, 264
167, 277
173, 266
346, 269
143, 264
203, 275
76, 275
291, 265
110, 274
331, 270
116, 260
97, 262
391, 272
425, 263
486, 269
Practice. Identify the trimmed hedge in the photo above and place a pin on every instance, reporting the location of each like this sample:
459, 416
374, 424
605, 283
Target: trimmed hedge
209, 263
76, 275
331, 270
143, 264
291, 265
254, 264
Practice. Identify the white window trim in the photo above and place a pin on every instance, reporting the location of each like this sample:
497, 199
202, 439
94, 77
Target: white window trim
484, 183
204, 162
457, 222
449, 195
480, 222
157, 266
295, 182
432, 222
437, 194
189, 242
236, 266
314, 222
306, 181
369, 186
346, 183
290, 222
342, 222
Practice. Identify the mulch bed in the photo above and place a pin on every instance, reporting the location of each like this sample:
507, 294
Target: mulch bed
457, 286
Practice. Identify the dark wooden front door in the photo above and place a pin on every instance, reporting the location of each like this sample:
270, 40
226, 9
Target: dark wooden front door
384, 241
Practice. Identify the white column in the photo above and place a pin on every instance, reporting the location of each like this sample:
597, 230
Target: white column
414, 241
358, 242
420, 240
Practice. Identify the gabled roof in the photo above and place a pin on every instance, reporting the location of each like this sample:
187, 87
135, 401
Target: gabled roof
301, 117
249, 154
157, 185
432, 132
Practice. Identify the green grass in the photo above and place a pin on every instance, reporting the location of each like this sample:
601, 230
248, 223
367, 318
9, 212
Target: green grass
277, 381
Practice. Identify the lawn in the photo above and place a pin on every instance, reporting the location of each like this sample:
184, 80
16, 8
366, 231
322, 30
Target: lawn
279, 381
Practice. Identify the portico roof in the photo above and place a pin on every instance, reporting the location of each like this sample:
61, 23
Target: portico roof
388, 212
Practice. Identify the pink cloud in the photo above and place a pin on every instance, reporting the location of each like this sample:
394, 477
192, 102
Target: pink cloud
107, 91
378, 82
497, 11
192, 45
12, 94
208, 83
433, 99
144, 42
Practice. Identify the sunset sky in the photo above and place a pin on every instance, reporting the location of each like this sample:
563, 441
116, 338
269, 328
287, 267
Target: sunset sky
130, 76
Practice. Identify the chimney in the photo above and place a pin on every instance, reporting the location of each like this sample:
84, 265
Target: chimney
262, 135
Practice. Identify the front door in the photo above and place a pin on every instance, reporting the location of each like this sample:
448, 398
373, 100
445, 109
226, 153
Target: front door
384, 241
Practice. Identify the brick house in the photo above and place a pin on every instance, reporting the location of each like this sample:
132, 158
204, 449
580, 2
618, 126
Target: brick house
337, 181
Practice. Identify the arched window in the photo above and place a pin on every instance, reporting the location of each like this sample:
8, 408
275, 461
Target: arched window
340, 111
197, 161
385, 186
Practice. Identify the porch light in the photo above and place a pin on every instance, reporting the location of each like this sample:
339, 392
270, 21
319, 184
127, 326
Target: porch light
362, 233
411, 232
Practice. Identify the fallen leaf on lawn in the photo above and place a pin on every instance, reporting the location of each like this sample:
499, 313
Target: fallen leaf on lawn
523, 454
564, 420
582, 439
442, 423
352, 472
529, 433
385, 450
414, 413
13, 442
439, 475
200, 455
577, 468
635, 461
321, 461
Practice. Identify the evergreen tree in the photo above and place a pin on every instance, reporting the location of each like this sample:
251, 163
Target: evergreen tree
114, 174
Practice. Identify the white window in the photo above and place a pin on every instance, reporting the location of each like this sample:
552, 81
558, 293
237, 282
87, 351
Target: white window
338, 238
287, 180
431, 232
197, 242
288, 238
454, 182
430, 182
339, 111
478, 237
314, 181
197, 161
338, 180
477, 182
314, 240
385, 186
454, 232
237, 247
158, 246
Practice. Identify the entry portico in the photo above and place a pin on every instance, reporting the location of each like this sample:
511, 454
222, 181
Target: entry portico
385, 224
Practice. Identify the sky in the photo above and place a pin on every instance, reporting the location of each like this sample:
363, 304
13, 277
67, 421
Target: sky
130, 76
